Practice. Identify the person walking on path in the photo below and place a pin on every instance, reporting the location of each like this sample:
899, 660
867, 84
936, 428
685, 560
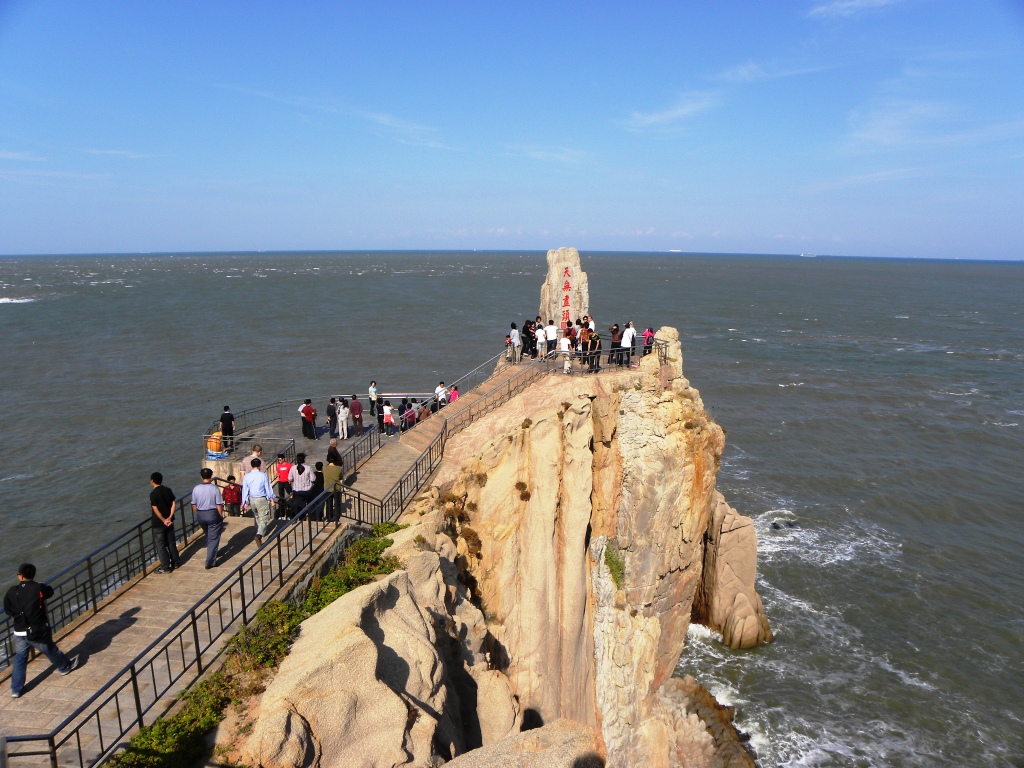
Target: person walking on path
355, 408
208, 506
257, 453
372, 392
227, 428
161, 501
258, 495
453, 395
308, 414
25, 603
517, 344
332, 417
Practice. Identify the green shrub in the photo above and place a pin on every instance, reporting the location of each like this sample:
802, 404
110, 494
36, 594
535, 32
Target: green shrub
616, 565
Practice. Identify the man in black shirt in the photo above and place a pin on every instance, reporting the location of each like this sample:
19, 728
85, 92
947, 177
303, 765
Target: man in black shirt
227, 428
25, 603
161, 501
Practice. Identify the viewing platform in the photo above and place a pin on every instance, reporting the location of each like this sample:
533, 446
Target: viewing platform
142, 638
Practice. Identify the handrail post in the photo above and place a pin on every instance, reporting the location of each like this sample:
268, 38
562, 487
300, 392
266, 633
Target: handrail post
51, 745
241, 591
280, 562
92, 584
135, 691
309, 521
195, 639
142, 553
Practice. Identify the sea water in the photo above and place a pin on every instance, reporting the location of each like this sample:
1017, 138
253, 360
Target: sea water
873, 410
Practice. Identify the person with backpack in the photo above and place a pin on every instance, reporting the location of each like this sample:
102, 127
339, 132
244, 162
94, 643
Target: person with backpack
25, 603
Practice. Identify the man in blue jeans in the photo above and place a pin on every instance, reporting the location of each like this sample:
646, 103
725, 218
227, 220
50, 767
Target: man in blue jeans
25, 603
208, 504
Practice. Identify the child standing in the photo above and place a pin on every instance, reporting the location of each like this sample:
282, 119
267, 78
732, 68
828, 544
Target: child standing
232, 493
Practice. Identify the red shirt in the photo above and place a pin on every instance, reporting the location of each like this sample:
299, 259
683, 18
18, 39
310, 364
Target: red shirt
355, 408
232, 494
284, 468
308, 412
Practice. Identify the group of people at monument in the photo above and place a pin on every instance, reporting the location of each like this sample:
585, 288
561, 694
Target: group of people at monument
577, 340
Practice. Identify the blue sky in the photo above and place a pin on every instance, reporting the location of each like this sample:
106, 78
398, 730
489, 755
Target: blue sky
853, 127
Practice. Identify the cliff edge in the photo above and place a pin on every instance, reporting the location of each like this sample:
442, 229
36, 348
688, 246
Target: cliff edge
551, 572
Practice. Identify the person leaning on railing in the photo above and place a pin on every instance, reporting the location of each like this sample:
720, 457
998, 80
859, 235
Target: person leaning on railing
258, 495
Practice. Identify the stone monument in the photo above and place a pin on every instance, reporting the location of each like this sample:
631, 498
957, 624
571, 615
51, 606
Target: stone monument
565, 295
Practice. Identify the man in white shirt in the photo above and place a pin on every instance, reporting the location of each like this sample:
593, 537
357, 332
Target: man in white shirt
628, 338
542, 340
551, 334
441, 395
517, 344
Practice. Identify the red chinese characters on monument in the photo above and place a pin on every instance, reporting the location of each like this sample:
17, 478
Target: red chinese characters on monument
567, 287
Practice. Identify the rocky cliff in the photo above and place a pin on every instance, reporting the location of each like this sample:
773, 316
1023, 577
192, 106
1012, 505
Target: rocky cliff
552, 570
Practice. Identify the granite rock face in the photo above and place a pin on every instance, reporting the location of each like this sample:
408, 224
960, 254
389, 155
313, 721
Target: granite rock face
727, 600
561, 487
550, 574
565, 295
383, 677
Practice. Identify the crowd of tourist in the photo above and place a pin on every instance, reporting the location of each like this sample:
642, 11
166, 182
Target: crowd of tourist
577, 341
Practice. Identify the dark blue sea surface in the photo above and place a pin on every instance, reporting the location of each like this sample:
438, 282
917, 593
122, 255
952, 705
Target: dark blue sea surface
873, 410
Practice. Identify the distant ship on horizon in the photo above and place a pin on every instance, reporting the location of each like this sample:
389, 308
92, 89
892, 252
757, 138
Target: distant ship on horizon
809, 255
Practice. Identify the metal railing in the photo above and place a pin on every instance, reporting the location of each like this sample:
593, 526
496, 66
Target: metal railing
176, 659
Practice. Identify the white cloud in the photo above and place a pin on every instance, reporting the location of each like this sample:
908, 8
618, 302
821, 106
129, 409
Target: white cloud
25, 157
896, 123
847, 7
686, 106
863, 179
118, 153
400, 130
404, 131
752, 72
562, 155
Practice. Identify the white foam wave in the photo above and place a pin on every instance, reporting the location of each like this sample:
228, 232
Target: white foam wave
780, 534
6, 300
